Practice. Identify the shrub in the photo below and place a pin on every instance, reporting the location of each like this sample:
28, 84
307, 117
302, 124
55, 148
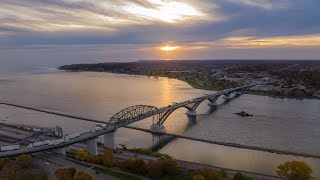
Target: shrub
295, 170
212, 174
240, 176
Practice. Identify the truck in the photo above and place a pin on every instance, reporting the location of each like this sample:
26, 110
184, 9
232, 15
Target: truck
72, 136
10, 148
58, 141
96, 129
36, 144
102, 125
51, 142
46, 142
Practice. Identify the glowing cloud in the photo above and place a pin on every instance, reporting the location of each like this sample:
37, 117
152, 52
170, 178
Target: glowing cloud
247, 42
169, 48
165, 11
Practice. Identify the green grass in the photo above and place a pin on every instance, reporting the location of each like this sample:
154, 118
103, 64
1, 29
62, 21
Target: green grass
116, 174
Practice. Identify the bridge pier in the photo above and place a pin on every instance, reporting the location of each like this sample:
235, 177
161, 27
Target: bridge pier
61, 151
213, 105
158, 128
92, 147
192, 114
227, 97
109, 140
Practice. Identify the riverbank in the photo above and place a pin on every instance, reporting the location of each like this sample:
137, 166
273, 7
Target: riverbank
278, 80
205, 84
186, 167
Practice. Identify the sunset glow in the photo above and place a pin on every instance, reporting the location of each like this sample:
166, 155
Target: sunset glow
159, 29
169, 48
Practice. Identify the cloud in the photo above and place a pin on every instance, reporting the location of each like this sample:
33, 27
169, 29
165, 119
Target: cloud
264, 4
145, 25
270, 42
78, 15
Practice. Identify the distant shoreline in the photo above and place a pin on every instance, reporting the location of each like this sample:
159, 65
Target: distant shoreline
198, 75
196, 87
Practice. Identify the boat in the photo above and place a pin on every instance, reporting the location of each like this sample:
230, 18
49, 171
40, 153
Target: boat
243, 114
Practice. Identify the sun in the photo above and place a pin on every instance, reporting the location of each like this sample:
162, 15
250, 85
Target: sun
169, 48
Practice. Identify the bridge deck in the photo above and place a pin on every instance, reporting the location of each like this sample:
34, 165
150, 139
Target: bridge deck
88, 135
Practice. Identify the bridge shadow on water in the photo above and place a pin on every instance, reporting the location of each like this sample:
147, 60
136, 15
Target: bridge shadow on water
160, 141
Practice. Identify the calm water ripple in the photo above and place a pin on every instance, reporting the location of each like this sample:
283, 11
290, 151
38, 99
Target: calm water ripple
284, 124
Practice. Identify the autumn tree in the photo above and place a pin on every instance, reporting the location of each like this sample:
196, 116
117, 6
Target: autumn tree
295, 170
212, 174
2, 162
139, 166
108, 158
21, 168
9, 170
240, 176
63, 174
72, 171
170, 167
24, 157
127, 164
71, 174
198, 177
82, 176
24, 160
81, 155
94, 159
155, 169
135, 165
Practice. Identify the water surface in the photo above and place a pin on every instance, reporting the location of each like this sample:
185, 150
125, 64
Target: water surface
284, 124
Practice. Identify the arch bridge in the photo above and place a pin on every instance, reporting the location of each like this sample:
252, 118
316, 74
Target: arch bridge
121, 119
160, 115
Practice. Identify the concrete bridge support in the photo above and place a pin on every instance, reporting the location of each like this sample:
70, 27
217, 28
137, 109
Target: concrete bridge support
158, 128
92, 147
237, 93
213, 105
109, 140
192, 113
61, 151
227, 97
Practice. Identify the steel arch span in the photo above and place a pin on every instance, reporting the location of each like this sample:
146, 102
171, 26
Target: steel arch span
132, 114
164, 116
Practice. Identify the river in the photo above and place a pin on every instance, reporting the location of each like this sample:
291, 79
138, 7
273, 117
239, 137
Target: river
280, 123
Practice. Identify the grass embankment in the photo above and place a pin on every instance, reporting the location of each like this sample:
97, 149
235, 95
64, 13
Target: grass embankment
109, 172
116, 174
147, 152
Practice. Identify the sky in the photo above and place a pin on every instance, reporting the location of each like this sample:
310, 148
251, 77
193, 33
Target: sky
76, 31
